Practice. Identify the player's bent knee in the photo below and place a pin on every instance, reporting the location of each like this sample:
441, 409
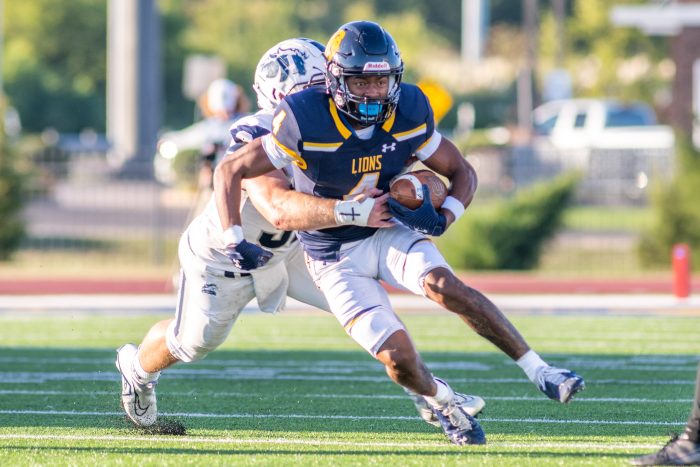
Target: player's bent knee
439, 281
189, 354
374, 328
398, 353
186, 349
400, 362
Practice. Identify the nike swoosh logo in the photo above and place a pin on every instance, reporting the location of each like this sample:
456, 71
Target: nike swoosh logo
140, 411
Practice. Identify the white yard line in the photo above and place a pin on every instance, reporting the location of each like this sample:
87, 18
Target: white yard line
268, 374
335, 366
304, 442
579, 399
340, 417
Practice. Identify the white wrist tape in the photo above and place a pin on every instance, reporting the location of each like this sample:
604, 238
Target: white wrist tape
233, 235
353, 212
454, 205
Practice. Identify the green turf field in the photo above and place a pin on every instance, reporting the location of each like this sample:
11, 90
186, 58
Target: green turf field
294, 390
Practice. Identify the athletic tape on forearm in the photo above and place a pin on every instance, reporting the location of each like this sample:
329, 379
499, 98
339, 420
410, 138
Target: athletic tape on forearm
233, 235
353, 212
454, 205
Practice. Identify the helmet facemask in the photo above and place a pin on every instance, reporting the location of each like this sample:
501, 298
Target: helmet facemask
363, 48
365, 110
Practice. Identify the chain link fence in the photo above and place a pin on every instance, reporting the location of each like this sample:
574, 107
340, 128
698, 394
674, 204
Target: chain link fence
83, 215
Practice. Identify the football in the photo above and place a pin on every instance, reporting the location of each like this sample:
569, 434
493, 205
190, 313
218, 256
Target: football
406, 188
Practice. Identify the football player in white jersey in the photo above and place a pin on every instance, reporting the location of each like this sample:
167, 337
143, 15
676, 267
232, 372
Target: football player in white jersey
215, 285
354, 138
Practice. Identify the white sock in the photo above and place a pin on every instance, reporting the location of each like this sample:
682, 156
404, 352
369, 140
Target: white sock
142, 375
530, 363
442, 397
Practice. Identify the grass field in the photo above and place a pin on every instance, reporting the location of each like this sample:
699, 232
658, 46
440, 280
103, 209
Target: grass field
293, 389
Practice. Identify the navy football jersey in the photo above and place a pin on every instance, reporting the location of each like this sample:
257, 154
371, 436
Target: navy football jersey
331, 161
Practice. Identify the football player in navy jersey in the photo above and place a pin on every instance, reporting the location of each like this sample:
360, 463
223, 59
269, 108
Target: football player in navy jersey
212, 291
344, 145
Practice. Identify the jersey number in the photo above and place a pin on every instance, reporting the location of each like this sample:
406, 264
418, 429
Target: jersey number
276, 240
368, 180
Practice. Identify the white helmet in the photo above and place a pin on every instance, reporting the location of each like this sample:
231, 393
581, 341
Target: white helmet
288, 67
221, 98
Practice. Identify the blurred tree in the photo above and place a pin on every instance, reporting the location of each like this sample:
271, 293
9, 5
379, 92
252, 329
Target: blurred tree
55, 63
513, 233
12, 228
608, 61
55, 52
676, 208
240, 31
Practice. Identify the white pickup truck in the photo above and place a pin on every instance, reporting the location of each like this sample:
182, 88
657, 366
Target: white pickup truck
600, 124
618, 147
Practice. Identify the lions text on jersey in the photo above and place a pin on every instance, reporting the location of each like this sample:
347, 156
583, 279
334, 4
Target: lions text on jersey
332, 161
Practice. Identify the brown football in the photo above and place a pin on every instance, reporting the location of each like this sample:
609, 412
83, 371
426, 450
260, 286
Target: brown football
406, 188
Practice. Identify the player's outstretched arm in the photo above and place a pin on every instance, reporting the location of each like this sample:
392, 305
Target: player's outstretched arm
448, 161
286, 209
247, 162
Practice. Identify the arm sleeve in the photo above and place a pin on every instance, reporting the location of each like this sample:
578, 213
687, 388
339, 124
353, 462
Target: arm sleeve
429, 147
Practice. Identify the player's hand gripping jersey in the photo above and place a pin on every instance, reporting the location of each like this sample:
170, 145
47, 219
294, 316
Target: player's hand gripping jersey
331, 161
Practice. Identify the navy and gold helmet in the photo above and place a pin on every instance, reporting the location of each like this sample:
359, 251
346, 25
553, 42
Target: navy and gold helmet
363, 48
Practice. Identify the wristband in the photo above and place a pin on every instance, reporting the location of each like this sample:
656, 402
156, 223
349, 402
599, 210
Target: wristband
351, 212
454, 205
233, 235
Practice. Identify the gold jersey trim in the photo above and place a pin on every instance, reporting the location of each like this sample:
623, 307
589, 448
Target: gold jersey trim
298, 160
322, 147
344, 131
404, 135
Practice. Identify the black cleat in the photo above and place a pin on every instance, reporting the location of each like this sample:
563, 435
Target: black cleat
678, 451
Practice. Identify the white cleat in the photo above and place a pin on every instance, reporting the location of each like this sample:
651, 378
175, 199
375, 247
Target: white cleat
138, 400
472, 405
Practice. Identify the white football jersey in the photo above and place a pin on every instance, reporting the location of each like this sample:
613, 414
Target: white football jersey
205, 233
207, 244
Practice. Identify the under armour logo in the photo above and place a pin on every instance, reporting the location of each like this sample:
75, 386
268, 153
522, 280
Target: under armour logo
387, 147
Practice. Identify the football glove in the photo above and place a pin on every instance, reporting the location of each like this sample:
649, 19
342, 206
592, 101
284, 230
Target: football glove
246, 255
424, 219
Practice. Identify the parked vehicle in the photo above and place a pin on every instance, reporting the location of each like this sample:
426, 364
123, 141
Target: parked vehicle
618, 147
600, 124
